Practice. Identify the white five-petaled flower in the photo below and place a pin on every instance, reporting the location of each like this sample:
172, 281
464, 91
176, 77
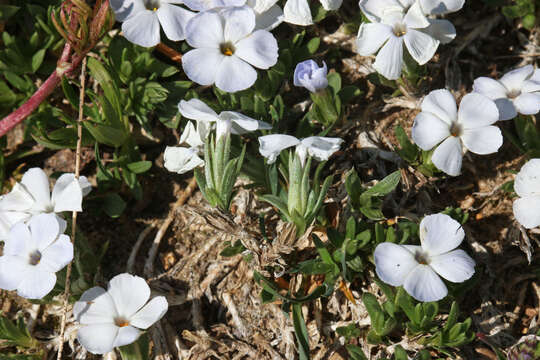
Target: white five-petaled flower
309, 75
113, 317
298, 12
518, 91
453, 131
394, 22
141, 20
527, 186
33, 196
227, 48
417, 268
33, 253
320, 148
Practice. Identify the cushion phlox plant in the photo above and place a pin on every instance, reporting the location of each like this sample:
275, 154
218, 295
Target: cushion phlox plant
417, 268
33, 253
116, 316
308, 170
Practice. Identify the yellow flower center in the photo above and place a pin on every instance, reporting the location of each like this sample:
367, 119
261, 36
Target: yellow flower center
227, 49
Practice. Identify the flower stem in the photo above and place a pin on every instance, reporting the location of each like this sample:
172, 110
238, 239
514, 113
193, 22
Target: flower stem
169, 52
74, 215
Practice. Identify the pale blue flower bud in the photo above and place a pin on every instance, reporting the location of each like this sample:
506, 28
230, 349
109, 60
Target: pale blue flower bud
309, 75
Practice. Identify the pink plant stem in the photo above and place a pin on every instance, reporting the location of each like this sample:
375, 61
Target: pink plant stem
10, 121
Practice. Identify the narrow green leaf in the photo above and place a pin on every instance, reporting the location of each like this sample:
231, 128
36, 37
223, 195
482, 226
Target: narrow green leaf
300, 331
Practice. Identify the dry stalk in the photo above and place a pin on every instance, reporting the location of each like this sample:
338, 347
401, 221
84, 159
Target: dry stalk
74, 216
149, 265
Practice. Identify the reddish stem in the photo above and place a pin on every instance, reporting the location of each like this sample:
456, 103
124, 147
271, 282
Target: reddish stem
10, 121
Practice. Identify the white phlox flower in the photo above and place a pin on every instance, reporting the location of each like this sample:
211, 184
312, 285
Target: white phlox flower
309, 75
298, 12
33, 253
113, 317
141, 20
417, 268
227, 47
397, 22
181, 159
268, 15
453, 131
393, 24
226, 122
320, 148
33, 196
527, 186
518, 91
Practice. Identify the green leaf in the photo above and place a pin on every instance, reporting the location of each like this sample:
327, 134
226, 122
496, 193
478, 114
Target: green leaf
385, 186
300, 331
114, 205
37, 60
355, 352
139, 167
350, 331
400, 353
15, 334
334, 82
277, 202
232, 250
409, 152
7, 11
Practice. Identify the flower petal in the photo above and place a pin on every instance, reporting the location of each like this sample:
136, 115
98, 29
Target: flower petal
321, 148
239, 23
439, 234
150, 313
330, 5
201, 65
429, 130
389, 60
448, 156
269, 19
129, 293
393, 263
259, 49
205, 30
36, 283
98, 338
415, 18
45, 229
477, 110
439, 7
528, 103
8, 219
507, 109
455, 266
173, 20
489, 87
36, 183
442, 104
240, 124
482, 141
12, 271
123, 9
196, 109
527, 211
234, 74
191, 136
18, 199
181, 160
441, 29
527, 182
374, 9
95, 306
533, 84
126, 335
142, 28
421, 46
271, 145
371, 36
297, 12
514, 80
56, 256
67, 194
424, 284
19, 240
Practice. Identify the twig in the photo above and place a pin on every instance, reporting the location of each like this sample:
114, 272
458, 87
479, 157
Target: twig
74, 216
133, 255
149, 265
169, 52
